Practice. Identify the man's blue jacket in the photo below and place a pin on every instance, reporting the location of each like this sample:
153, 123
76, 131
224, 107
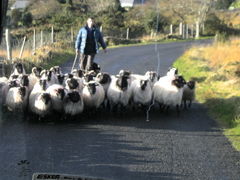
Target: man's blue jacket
82, 37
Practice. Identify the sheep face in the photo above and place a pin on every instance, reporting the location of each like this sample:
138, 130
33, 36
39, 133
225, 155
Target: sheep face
143, 84
152, 76
13, 83
60, 78
89, 77
74, 97
96, 67
178, 83
183, 81
24, 80
92, 87
191, 84
77, 73
22, 92
19, 68
68, 75
60, 93
172, 71
122, 83
36, 71
124, 73
43, 84
46, 98
72, 83
103, 78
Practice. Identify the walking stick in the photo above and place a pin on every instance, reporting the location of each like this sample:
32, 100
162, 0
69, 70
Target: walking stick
74, 62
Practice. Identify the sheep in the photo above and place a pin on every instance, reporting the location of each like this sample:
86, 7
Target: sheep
57, 93
168, 94
93, 94
74, 84
188, 93
17, 98
77, 73
61, 79
141, 92
49, 75
6, 87
39, 101
18, 69
152, 76
96, 68
34, 77
73, 103
56, 70
104, 79
119, 92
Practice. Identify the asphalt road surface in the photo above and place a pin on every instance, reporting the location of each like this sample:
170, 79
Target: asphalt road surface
122, 147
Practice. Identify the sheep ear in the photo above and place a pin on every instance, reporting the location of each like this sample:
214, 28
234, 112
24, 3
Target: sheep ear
34, 69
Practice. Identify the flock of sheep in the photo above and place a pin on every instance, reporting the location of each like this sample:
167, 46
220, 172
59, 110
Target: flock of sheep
45, 92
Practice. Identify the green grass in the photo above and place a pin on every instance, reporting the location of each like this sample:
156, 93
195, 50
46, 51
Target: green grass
215, 92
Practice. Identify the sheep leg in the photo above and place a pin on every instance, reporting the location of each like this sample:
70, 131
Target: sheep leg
190, 103
178, 110
185, 104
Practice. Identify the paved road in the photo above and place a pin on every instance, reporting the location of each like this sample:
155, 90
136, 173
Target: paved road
127, 147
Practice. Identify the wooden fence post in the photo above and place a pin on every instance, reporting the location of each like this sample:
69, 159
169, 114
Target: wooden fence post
197, 30
171, 29
180, 29
34, 40
127, 37
41, 38
22, 48
52, 35
8, 44
186, 31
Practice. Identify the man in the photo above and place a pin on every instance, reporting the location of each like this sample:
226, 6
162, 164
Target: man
87, 44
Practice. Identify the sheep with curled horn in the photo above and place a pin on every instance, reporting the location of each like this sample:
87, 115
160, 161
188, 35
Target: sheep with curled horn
34, 77
93, 95
188, 93
168, 94
152, 77
39, 100
17, 97
119, 92
73, 103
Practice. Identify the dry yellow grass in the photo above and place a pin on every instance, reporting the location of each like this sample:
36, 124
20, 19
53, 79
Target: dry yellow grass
15, 53
222, 54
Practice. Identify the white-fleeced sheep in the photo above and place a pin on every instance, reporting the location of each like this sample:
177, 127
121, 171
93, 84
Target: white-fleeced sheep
57, 93
93, 94
34, 77
152, 77
73, 103
141, 92
119, 92
168, 94
74, 83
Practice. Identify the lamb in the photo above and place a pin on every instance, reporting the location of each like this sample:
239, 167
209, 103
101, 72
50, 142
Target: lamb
119, 92
73, 103
39, 101
168, 94
141, 92
188, 93
34, 77
93, 94
57, 93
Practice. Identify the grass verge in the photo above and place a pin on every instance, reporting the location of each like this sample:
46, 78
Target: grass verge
218, 88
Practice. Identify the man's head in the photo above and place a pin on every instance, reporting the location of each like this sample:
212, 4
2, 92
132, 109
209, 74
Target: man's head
90, 22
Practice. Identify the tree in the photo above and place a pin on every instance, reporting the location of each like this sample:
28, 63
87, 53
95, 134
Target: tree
27, 19
16, 17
